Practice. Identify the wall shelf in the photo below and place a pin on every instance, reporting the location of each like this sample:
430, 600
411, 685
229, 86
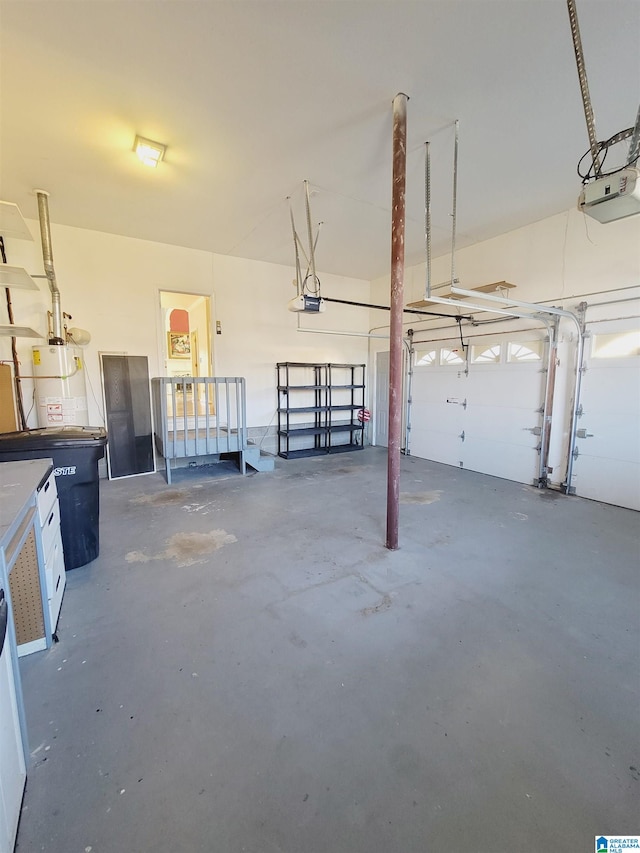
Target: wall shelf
11, 276
12, 222
8, 330
332, 394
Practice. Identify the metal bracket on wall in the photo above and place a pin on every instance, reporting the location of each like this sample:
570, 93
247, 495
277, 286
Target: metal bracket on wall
582, 433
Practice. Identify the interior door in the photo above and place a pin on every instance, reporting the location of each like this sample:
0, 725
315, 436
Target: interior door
607, 464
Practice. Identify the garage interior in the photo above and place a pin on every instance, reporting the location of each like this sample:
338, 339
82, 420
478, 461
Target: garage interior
246, 665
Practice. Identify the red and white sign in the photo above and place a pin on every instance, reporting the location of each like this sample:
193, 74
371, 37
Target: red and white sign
364, 415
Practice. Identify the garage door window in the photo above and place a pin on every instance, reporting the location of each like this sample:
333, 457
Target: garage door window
621, 345
450, 356
522, 352
482, 354
425, 359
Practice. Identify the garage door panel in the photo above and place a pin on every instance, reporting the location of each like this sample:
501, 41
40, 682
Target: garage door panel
492, 423
496, 405
498, 382
436, 445
620, 485
434, 386
442, 417
607, 467
608, 441
500, 459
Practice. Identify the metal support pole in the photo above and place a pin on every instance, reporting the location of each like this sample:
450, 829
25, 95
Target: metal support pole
397, 299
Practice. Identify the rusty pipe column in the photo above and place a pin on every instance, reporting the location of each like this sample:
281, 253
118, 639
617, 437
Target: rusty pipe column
397, 305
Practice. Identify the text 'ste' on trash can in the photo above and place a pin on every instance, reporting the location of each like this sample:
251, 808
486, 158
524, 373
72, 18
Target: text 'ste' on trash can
75, 451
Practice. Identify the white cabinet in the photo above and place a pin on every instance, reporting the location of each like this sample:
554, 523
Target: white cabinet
12, 766
52, 553
37, 578
22, 567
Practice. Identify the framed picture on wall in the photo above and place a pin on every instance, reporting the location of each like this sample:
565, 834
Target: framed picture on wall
179, 345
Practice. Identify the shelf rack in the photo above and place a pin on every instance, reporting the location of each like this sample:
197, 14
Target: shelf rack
318, 407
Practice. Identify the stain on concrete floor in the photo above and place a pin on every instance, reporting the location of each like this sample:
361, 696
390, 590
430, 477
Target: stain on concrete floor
420, 497
168, 496
383, 604
186, 548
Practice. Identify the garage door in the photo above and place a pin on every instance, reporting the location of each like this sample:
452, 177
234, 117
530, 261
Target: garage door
480, 409
607, 464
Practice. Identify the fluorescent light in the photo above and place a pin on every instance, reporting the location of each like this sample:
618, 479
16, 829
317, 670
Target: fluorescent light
149, 152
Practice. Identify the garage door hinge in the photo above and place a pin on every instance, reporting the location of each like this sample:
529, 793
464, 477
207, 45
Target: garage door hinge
461, 436
535, 430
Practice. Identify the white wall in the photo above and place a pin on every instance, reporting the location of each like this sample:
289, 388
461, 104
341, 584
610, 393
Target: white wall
110, 285
561, 260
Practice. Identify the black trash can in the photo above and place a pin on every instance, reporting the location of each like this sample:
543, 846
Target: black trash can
75, 451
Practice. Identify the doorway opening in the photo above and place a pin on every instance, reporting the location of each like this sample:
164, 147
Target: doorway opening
186, 334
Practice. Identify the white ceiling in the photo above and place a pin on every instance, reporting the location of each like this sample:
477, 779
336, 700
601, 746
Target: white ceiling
254, 96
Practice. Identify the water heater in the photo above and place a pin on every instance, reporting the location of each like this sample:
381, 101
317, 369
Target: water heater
61, 391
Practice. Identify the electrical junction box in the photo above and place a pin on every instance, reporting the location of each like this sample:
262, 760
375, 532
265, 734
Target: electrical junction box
613, 197
307, 304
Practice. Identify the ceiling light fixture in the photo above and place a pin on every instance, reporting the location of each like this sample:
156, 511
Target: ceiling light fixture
149, 152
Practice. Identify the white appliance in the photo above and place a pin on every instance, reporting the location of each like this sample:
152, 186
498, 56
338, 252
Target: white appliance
306, 304
61, 391
613, 197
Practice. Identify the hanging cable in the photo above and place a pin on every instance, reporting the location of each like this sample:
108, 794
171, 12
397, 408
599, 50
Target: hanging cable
603, 148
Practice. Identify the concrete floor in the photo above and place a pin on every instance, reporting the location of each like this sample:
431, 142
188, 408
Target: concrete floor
246, 668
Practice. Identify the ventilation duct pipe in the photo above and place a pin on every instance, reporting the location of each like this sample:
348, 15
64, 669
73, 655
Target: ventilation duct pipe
57, 336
